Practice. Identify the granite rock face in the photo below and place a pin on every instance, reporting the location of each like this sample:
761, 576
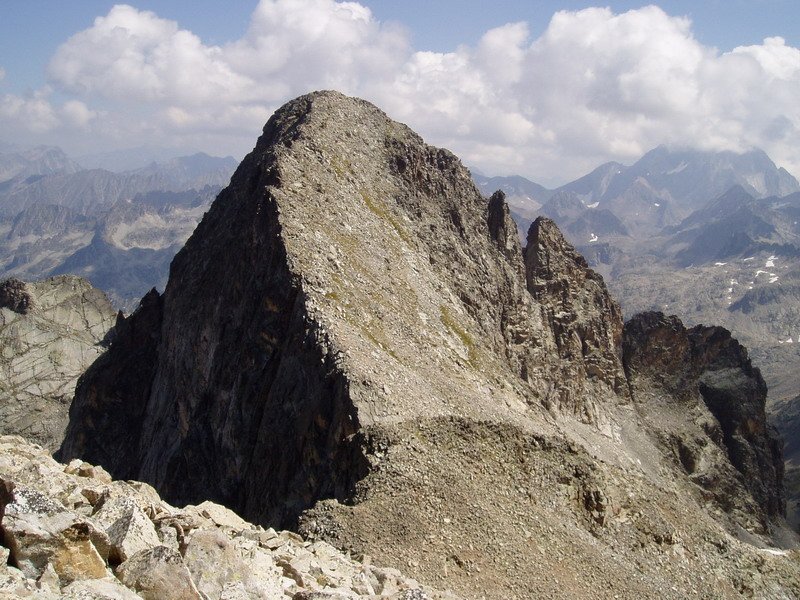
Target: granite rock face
353, 343
50, 332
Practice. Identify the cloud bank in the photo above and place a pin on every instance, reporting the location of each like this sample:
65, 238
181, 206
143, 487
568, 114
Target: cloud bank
595, 86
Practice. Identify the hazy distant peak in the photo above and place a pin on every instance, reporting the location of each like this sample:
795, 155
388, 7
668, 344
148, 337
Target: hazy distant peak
41, 160
511, 185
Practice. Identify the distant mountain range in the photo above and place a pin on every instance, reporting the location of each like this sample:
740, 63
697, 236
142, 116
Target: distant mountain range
119, 230
660, 189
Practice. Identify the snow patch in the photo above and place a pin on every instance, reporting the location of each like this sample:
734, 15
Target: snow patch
678, 169
593, 205
773, 279
757, 181
656, 204
593, 238
774, 551
720, 264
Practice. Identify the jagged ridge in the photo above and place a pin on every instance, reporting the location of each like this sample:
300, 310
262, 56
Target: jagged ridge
353, 325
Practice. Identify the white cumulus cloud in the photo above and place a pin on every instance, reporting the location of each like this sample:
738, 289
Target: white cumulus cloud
32, 113
594, 86
77, 113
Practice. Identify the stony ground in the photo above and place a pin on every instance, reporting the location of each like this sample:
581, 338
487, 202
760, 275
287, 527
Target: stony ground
71, 532
514, 515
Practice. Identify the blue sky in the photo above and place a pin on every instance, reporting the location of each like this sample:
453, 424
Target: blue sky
434, 65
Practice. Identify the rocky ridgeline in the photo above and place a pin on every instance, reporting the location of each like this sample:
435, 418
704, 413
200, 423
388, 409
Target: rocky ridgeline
585, 320
71, 532
353, 344
50, 332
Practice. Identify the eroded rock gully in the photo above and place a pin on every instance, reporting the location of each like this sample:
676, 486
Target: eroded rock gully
354, 342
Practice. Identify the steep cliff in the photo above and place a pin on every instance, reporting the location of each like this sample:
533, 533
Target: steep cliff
706, 377
585, 320
50, 332
352, 342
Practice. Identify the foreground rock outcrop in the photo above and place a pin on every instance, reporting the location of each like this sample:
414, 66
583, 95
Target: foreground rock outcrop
354, 344
72, 532
50, 332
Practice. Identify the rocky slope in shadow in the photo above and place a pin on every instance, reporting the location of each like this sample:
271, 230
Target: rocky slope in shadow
50, 332
353, 342
726, 443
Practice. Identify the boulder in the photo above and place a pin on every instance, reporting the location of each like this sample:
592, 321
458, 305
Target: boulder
158, 573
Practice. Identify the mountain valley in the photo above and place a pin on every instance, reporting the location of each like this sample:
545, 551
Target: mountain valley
118, 230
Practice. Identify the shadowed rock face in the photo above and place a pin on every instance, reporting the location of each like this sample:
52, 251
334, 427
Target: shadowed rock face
586, 321
707, 364
14, 296
117, 389
353, 341
735, 393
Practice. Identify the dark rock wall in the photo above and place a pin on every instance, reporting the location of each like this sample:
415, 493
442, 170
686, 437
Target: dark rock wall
585, 320
106, 423
706, 364
735, 393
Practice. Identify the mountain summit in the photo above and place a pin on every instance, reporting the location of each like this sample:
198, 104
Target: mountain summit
353, 343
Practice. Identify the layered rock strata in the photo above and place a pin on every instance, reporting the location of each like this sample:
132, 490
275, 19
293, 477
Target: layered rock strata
354, 343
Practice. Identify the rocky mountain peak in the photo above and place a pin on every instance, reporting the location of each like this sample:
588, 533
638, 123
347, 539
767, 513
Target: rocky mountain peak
502, 228
352, 343
586, 321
